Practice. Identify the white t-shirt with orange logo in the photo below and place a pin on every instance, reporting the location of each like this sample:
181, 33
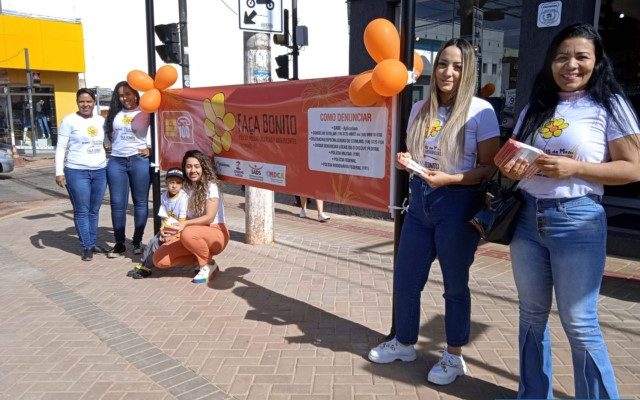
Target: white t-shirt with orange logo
482, 124
80, 143
130, 133
580, 129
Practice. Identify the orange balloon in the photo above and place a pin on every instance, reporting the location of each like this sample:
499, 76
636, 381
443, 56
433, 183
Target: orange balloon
361, 92
150, 101
139, 80
418, 63
165, 77
382, 40
389, 77
487, 90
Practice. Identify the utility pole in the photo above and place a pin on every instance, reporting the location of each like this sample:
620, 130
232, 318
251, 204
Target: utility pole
407, 35
154, 157
30, 103
259, 209
184, 43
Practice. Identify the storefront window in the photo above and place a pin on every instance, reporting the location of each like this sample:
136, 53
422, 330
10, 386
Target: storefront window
493, 28
15, 118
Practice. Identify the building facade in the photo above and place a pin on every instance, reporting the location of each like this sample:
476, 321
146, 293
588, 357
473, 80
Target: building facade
55, 53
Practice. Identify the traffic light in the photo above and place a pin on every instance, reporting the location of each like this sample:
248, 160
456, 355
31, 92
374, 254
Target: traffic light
283, 66
170, 51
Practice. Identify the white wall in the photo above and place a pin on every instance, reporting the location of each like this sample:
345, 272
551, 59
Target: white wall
115, 37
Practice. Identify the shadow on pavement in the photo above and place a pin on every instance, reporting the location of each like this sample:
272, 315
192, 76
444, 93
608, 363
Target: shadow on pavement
319, 328
621, 289
325, 330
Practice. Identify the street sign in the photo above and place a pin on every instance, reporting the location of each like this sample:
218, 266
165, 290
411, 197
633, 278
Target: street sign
260, 15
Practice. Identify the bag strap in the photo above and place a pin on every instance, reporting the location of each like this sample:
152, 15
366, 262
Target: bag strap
499, 180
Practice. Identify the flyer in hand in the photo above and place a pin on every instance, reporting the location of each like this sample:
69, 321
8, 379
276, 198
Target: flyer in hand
514, 150
412, 165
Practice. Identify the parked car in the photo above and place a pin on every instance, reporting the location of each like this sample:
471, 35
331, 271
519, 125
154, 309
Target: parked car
6, 158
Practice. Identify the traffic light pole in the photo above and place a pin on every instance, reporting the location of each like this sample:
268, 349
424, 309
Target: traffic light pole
154, 168
184, 43
407, 34
294, 42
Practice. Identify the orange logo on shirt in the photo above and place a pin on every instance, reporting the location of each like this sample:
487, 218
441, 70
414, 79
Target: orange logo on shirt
435, 128
92, 131
553, 128
127, 119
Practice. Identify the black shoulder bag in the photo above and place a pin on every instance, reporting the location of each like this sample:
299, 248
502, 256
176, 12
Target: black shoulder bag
496, 220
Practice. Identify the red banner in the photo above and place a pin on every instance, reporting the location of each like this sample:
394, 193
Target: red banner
298, 137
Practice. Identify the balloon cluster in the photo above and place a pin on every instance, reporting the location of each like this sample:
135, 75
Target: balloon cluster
141, 81
390, 75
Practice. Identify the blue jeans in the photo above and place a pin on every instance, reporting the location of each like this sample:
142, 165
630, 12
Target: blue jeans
436, 225
124, 173
560, 245
86, 190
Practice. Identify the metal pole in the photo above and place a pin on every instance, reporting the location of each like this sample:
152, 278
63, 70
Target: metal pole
184, 43
154, 169
407, 35
294, 39
30, 102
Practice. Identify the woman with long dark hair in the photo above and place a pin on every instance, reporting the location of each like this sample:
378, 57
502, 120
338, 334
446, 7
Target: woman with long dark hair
579, 116
454, 137
203, 234
126, 131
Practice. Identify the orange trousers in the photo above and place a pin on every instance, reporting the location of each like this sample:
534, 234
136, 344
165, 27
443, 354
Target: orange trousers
198, 244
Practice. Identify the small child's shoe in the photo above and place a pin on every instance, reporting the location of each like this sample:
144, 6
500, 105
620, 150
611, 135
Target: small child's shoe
139, 272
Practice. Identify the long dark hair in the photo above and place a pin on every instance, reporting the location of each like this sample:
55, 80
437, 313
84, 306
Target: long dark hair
200, 189
603, 87
115, 106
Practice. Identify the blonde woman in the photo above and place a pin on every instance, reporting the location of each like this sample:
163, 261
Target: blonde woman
455, 136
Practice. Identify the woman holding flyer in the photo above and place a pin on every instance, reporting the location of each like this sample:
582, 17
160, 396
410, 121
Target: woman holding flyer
579, 115
452, 139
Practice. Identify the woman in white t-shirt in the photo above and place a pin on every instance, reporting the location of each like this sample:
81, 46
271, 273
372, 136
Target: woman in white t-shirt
203, 235
454, 136
579, 116
126, 131
80, 168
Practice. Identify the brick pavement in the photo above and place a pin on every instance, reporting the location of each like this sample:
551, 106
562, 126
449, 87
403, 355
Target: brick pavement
292, 320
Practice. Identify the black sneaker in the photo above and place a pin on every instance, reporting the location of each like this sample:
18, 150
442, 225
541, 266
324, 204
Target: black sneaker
137, 248
100, 250
139, 272
87, 255
117, 250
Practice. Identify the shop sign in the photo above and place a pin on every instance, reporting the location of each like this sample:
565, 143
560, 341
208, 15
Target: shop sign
549, 14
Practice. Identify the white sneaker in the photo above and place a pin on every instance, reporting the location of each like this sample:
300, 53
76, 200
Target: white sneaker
390, 351
203, 275
303, 214
447, 369
322, 217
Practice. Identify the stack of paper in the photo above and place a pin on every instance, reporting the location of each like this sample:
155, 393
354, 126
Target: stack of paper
514, 150
412, 165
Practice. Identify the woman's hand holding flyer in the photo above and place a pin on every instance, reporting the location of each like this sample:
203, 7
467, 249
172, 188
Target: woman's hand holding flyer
513, 151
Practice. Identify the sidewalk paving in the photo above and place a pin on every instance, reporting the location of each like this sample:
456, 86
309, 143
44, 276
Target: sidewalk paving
291, 320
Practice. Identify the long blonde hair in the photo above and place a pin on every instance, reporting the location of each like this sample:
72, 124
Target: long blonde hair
452, 133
